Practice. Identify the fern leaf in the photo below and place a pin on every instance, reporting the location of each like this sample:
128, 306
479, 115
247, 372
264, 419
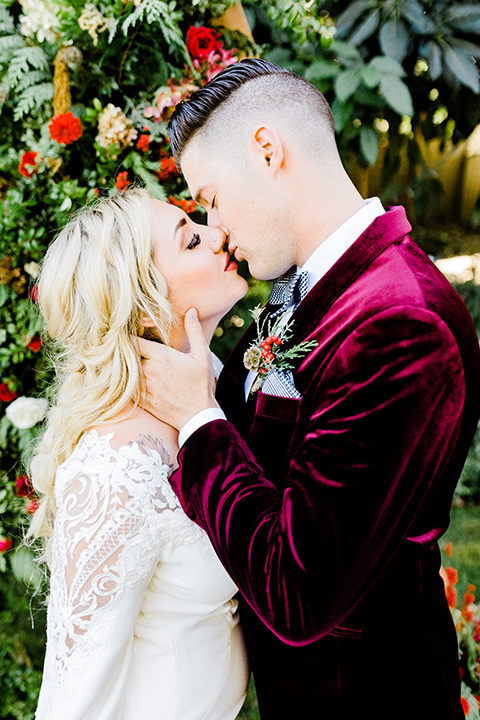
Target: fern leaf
157, 12
7, 24
10, 42
21, 61
32, 96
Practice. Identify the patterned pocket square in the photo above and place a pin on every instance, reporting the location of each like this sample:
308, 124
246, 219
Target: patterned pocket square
281, 384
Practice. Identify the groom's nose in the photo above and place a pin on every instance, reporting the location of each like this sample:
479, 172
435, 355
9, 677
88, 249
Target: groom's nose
213, 220
218, 239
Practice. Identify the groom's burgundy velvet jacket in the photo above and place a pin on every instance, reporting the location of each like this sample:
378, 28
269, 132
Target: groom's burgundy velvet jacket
326, 511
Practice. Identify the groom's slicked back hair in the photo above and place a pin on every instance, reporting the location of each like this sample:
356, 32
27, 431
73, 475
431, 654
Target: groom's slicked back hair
241, 87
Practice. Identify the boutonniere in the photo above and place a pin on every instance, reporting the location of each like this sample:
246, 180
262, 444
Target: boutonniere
266, 354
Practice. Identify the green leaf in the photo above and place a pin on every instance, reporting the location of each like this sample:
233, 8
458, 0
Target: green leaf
366, 28
414, 12
25, 568
462, 66
347, 82
349, 17
394, 39
321, 69
387, 65
371, 76
434, 60
397, 94
341, 113
369, 144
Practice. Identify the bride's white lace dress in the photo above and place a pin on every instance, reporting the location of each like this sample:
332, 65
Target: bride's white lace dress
141, 621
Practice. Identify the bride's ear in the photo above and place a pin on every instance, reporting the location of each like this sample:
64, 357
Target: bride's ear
148, 322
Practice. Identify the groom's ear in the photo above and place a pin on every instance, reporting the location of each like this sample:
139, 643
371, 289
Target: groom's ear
268, 146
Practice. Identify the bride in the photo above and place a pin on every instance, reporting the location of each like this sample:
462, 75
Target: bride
142, 620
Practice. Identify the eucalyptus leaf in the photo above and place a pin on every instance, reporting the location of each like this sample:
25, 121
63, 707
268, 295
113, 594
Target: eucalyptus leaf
434, 59
461, 64
394, 39
387, 65
349, 17
341, 113
397, 94
369, 144
415, 13
347, 82
371, 76
366, 28
321, 69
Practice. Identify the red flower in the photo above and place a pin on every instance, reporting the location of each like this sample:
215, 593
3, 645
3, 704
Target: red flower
32, 507
465, 706
122, 183
5, 544
35, 343
34, 293
23, 486
167, 169
469, 596
65, 128
7, 395
452, 575
187, 205
451, 594
448, 549
28, 159
143, 142
201, 41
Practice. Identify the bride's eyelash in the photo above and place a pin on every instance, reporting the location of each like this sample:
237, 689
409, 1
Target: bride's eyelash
196, 240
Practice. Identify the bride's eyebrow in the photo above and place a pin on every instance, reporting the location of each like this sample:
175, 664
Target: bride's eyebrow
180, 224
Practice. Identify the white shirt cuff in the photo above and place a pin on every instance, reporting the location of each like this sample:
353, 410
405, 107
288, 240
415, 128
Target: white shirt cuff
197, 421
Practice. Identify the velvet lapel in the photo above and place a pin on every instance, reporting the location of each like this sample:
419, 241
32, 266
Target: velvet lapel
384, 231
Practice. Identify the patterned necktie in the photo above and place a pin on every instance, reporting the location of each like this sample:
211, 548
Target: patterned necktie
289, 290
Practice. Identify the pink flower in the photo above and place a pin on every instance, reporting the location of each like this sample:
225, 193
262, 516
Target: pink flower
23, 486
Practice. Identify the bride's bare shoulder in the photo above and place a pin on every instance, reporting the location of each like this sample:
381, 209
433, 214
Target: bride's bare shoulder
139, 426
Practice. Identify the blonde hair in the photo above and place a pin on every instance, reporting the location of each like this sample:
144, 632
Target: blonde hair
98, 282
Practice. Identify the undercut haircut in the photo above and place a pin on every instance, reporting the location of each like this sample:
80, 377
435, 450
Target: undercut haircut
250, 86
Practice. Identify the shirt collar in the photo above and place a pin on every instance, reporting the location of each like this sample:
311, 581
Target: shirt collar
333, 247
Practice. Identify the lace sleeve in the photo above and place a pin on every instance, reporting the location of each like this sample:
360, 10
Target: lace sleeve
114, 510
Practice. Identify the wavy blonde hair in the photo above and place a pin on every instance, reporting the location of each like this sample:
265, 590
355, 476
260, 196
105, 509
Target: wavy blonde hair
98, 282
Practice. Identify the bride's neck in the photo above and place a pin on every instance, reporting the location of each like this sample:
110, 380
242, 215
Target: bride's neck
179, 338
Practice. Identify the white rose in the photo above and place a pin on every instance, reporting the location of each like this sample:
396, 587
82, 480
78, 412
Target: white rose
25, 412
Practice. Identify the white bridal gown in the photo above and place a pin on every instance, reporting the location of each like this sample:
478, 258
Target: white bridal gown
141, 620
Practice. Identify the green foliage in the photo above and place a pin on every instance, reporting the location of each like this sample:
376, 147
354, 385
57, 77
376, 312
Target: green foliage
394, 72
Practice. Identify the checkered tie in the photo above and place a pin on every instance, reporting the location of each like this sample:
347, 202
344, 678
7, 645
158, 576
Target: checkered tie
289, 290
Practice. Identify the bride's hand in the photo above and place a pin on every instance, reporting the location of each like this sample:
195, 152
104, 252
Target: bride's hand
179, 384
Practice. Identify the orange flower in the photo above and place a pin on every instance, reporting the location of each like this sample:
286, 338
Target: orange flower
143, 142
187, 205
452, 575
167, 168
65, 128
465, 706
448, 549
469, 596
29, 159
122, 182
451, 594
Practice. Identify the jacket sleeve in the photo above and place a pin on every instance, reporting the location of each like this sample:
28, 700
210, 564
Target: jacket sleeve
382, 424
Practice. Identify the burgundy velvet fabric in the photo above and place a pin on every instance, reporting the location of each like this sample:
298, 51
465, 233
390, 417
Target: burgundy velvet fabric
326, 511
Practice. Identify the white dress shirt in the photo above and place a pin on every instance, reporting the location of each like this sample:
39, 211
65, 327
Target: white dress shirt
317, 265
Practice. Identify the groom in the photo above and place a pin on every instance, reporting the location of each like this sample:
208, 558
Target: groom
324, 492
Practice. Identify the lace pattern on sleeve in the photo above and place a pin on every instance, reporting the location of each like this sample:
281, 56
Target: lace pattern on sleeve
116, 511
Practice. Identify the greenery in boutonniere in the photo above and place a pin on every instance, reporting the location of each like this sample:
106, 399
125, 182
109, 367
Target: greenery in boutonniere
266, 352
